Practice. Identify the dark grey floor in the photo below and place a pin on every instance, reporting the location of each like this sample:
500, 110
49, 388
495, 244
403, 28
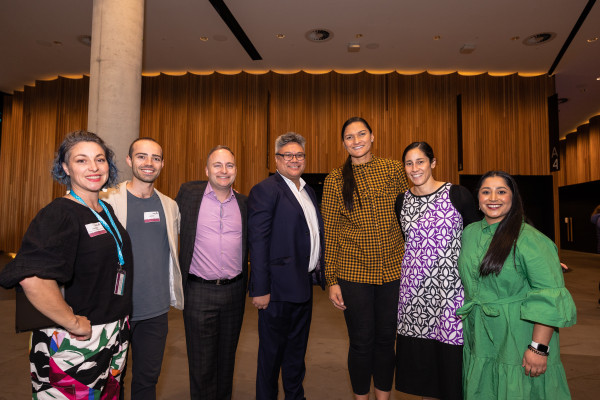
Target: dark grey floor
327, 376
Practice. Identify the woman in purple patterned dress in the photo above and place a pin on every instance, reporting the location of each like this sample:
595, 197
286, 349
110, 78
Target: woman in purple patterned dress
432, 215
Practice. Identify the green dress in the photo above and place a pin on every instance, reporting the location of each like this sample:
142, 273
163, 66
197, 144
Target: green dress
499, 313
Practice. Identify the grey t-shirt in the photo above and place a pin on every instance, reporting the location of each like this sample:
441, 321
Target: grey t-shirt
148, 231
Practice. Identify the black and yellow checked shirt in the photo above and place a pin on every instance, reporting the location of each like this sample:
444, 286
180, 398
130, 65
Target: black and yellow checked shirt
364, 245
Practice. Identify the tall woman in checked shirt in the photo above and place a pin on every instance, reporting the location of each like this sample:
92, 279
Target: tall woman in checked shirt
363, 253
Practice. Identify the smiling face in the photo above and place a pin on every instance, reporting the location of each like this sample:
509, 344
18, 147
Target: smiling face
418, 167
357, 141
221, 170
294, 168
146, 160
495, 199
87, 168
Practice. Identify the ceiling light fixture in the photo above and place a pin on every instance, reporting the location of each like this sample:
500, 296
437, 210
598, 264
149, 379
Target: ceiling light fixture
515, 38
592, 40
204, 38
467, 48
358, 35
318, 35
280, 36
353, 47
85, 40
437, 37
539, 38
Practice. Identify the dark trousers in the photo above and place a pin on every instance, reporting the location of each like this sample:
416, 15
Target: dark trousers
371, 318
148, 339
283, 329
213, 318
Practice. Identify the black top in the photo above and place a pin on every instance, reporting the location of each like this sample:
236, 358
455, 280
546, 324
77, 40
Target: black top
57, 245
460, 198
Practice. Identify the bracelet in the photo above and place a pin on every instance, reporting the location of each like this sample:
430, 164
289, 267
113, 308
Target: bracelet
536, 351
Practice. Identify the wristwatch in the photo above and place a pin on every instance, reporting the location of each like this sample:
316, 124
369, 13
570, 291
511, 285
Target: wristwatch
540, 347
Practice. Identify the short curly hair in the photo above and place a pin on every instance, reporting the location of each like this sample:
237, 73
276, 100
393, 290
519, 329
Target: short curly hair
62, 156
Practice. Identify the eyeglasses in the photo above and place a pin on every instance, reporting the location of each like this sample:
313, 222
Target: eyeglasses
290, 156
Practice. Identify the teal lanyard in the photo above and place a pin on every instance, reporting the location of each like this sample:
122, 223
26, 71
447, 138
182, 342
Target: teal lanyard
119, 242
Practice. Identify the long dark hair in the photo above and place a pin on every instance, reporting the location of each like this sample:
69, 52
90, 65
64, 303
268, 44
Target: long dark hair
349, 186
508, 229
423, 146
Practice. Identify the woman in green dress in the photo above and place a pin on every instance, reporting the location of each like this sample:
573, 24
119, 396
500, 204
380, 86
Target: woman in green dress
515, 299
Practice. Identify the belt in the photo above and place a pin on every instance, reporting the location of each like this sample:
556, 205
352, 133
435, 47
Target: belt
218, 282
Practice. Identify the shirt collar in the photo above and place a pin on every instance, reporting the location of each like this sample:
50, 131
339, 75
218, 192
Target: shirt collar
290, 182
487, 227
210, 191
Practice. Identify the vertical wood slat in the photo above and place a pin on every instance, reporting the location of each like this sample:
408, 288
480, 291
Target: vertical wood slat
594, 148
504, 126
580, 154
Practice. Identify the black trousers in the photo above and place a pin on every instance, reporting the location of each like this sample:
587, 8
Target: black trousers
213, 318
371, 318
148, 340
283, 329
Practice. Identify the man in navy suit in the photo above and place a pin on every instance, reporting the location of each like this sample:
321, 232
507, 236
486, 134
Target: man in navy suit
285, 237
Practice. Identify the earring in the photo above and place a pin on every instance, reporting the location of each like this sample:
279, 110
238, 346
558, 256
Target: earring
104, 189
68, 191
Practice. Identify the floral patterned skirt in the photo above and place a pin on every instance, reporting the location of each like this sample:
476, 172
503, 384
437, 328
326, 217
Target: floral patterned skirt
65, 368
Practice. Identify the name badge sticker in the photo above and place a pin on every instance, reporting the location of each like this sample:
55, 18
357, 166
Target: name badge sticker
151, 216
95, 229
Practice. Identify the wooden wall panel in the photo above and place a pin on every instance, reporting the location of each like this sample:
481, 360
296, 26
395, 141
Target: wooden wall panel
571, 159
71, 114
11, 184
504, 126
580, 154
594, 148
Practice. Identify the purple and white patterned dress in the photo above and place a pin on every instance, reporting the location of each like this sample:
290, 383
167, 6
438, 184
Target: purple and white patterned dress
430, 288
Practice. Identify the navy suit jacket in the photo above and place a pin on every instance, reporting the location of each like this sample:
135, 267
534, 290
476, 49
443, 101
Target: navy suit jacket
279, 243
189, 199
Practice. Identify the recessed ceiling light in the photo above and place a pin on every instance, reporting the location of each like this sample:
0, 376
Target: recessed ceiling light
592, 40
515, 38
353, 47
57, 43
358, 35
467, 48
598, 78
539, 38
319, 35
204, 38
280, 36
86, 40
437, 37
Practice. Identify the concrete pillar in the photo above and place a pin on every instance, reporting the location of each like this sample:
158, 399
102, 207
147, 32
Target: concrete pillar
116, 75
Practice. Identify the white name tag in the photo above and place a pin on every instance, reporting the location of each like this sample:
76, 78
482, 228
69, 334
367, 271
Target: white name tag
151, 216
95, 229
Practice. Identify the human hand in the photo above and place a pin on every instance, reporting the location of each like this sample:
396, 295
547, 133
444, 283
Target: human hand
261, 302
534, 364
335, 295
82, 328
564, 267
